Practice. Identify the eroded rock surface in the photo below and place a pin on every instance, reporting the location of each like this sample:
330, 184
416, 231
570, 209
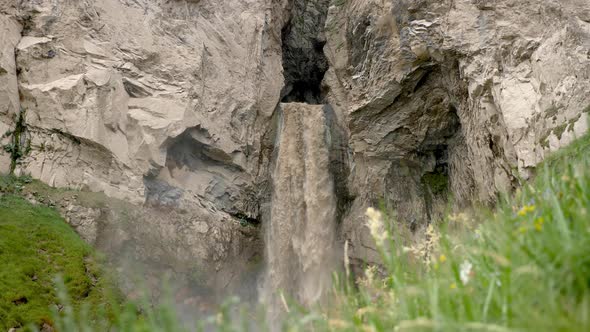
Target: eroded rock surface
173, 103
453, 97
115, 91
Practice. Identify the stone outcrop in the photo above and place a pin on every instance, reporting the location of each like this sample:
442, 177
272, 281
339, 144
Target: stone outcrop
115, 91
173, 103
454, 97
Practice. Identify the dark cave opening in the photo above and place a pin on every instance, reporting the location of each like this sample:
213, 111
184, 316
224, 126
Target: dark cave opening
436, 182
304, 62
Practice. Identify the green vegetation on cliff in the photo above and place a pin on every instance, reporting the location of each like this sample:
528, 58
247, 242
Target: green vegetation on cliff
36, 245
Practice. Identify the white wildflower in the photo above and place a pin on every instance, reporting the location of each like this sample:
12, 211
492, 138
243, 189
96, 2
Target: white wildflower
496, 277
465, 273
370, 273
376, 226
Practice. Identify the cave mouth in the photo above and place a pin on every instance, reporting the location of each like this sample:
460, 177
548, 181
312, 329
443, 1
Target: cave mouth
304, 61
436, 181
303, 91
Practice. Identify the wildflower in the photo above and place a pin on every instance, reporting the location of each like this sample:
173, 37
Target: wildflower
522, 229
370, 274
460, 217
496, 277
376, 226
432, 234
465, 272
442, 258
453, 286
539, 223
525, 210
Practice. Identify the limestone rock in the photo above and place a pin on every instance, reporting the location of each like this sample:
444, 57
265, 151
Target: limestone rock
116, 91
453, 97
10, 34
173, 104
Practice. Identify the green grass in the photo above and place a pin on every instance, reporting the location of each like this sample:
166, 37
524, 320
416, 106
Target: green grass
36, 245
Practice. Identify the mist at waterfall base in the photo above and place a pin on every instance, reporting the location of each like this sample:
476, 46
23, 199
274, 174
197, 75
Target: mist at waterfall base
172, 285
300, 234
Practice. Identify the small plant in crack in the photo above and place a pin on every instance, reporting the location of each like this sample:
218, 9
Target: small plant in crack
18, 145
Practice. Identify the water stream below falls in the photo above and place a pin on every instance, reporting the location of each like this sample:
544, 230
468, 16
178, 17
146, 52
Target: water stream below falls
301, 233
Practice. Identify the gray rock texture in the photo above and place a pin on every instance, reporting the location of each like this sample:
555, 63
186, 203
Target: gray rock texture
174, 104
455, 97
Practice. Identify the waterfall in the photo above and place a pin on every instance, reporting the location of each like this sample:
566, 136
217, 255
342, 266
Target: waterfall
301, 231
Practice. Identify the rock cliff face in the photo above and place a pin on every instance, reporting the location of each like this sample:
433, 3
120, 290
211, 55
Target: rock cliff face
459, 97
174, 103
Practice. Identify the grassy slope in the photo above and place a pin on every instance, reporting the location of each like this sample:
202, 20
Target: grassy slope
36, 245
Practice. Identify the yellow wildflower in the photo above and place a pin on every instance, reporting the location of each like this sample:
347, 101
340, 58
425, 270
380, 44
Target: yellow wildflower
442, 258
453, 286
525, 210
539, 223
522, 230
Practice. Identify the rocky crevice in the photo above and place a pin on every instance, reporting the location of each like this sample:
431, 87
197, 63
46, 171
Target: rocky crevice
18, 145
304, 62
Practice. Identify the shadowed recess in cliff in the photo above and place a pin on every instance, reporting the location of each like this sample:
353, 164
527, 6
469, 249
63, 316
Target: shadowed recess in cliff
304, 62
195, 164
301, 232
423, 142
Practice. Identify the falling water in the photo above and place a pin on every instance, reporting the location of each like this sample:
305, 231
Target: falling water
300, 234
